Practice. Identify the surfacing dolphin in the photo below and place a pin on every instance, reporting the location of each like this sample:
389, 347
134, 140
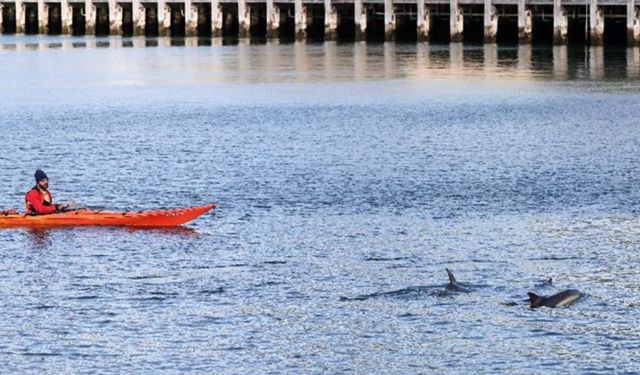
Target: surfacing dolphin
453, 285
562, 299
545, 284
417, 291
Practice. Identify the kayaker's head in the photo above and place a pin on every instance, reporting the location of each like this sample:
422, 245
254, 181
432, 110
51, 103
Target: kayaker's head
42, 181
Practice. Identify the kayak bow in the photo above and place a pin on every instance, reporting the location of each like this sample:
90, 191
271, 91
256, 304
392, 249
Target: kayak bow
85, 217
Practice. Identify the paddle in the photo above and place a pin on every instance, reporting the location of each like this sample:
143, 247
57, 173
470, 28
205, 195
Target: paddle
67, 206
73, 206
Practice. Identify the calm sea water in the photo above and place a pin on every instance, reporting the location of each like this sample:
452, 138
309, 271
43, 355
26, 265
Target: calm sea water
348, 177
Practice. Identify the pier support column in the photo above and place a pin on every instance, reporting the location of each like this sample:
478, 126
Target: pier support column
1, 16
423, 21
138, 16
330, 21
20, 22
190, 18
633, 24
525, 23
273, 20
89, 18
43, 17
300, 14
596, 23
456, 22
490, 22
66, 17
389, 20
164, 18
216, 19
244, 19
360, 19
560, 24
115, 18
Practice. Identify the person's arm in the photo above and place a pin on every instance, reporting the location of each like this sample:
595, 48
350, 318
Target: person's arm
35, 200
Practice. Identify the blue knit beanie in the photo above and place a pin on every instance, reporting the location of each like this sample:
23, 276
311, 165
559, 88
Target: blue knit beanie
40, 175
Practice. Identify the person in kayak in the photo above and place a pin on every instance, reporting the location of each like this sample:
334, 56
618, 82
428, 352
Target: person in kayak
39, 200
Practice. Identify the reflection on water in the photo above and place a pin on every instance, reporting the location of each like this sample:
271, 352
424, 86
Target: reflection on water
633, 62
55, 42
560, 67
274, 61
39, 237
155, 231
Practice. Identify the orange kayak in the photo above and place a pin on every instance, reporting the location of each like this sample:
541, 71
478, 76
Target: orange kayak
83, 217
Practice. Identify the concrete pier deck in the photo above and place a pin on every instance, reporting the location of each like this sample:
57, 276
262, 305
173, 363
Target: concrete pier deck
595, 22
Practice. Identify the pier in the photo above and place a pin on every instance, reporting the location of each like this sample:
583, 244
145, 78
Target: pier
561, 22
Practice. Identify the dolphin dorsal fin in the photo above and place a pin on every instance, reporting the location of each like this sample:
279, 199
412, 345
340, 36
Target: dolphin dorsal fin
452, 279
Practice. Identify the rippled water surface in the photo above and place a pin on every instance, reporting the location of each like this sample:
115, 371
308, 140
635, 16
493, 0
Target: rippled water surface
348, 177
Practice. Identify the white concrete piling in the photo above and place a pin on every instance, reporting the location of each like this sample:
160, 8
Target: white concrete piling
633, 23
138, 15
560, 23
330, 21
90, 18
423, 22
456, 22
244, 19
525, 23
115, 18
360, 19
490, 22
216, 18
66, 17
43, 16
20, 17
190, 18
389, 20
273, 20
596, 23
300, 17
164, 18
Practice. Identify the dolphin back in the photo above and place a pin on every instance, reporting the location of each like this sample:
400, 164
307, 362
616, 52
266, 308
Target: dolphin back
564, 299
535, 300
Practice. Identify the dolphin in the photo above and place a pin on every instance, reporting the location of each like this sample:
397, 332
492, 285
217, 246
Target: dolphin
453, 285
564, 298
545, 284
